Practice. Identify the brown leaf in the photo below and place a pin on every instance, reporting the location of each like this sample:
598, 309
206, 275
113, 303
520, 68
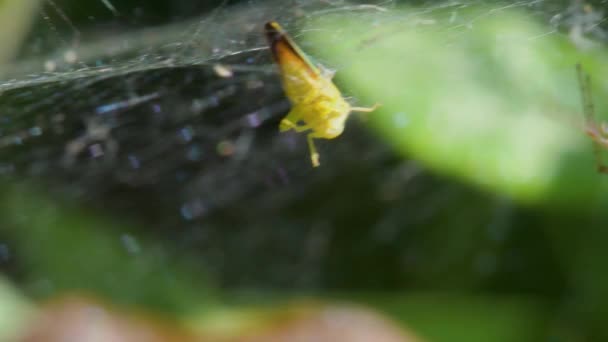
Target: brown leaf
331, 324
81, 319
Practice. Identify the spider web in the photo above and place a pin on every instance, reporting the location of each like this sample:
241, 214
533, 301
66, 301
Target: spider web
174, 123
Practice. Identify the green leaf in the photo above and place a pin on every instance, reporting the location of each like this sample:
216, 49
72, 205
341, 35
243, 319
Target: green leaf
485, 96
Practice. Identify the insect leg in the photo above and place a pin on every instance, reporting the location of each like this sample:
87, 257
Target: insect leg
291, 120
365, 109
314, 155
287, 124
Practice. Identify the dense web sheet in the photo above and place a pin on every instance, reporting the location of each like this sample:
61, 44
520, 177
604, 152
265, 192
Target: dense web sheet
177, 125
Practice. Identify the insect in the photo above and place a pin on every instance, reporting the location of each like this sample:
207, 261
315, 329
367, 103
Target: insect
318, 107
598, 133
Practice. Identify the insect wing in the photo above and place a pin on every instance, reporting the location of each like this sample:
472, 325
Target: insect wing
300, 77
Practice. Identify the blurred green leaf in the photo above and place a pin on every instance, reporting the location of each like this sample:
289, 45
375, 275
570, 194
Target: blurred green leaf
480, 97
15, 310
16, 17
62, 247
449, 318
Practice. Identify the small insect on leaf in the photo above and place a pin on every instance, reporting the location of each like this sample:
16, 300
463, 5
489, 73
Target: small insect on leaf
317, 106
597, 132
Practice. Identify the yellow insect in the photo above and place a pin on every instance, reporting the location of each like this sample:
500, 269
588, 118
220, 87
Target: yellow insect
317, 104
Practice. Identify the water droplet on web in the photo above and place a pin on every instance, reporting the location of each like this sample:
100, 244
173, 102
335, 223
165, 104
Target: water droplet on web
70, 56
193, 209
35, 131
106, 108
223, 71
96, 150
254, 119
214, 101
197, 106
50, 65
186, 134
